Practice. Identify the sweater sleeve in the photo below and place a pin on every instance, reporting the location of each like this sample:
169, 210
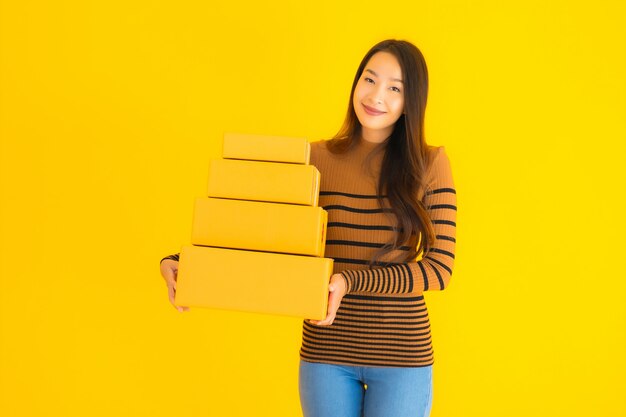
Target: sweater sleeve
433, 272
173, 257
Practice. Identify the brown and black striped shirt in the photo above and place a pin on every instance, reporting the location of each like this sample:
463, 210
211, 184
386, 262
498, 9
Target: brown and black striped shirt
383, 319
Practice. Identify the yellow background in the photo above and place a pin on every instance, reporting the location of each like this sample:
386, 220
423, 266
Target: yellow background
111, 110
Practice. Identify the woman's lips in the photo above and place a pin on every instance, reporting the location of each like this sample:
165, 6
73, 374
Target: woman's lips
372, 111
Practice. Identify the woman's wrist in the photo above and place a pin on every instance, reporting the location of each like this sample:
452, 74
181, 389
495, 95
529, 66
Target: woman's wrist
346, 282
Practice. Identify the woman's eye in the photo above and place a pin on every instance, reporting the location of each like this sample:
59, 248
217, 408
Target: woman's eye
396, 89
368, 80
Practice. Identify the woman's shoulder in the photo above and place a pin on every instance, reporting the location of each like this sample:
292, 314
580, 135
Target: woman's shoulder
438, 164
318, 150
434, 150
319, 145
435, 155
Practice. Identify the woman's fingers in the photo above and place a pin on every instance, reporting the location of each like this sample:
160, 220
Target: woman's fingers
333, 305
336, 291
171, 292
169, 271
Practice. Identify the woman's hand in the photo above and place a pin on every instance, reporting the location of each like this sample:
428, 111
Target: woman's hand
336, 291
169, 271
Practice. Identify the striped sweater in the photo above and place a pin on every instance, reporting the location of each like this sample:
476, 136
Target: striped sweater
383, 319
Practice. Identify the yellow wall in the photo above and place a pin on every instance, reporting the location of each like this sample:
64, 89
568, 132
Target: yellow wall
111, 110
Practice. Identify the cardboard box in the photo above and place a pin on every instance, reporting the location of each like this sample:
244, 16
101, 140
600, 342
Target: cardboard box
264, 181
266, 148
260, 282
260, 226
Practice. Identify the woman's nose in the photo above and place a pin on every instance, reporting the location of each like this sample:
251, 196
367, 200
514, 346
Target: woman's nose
377, 95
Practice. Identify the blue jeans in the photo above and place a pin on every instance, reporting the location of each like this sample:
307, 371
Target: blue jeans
361, 391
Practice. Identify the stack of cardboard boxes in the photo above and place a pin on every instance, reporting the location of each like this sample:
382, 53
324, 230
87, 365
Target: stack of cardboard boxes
258, 237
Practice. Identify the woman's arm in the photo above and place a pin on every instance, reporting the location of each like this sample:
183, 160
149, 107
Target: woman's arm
434, 271
173, 257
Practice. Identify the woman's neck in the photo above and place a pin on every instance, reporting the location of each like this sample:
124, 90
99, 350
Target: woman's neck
365, 143
376, 136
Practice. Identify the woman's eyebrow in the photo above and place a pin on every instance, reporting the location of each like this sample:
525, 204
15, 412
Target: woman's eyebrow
376, 75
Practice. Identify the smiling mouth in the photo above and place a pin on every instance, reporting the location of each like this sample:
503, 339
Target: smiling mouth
372, 111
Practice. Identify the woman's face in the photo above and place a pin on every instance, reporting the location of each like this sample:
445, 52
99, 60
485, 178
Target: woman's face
378, 98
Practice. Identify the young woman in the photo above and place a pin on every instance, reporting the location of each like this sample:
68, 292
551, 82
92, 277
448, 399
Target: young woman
390, 198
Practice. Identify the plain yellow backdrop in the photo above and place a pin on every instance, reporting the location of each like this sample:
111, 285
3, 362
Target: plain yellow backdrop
110, 112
